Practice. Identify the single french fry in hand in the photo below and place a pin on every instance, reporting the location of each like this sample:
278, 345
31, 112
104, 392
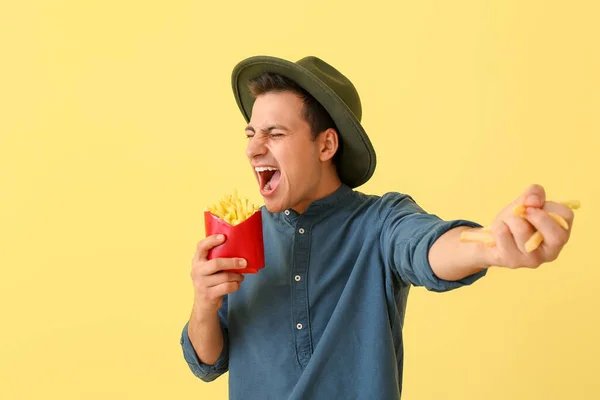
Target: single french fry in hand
534, 242
478, 235
519, 210
559, 220
572, 204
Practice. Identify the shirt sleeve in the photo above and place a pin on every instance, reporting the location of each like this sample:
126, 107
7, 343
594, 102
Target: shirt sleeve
407, 234
205, 372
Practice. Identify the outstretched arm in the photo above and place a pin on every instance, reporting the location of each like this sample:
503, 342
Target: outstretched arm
452, 259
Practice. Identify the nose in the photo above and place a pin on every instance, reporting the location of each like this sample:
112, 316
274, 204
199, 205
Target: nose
255, 148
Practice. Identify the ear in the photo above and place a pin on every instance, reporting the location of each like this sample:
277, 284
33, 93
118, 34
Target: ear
328, 144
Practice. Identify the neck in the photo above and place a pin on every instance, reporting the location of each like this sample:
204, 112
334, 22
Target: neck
329, 183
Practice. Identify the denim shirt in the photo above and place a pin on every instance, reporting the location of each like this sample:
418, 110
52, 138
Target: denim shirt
323, 319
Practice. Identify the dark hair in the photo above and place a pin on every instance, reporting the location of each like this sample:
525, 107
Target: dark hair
315, 114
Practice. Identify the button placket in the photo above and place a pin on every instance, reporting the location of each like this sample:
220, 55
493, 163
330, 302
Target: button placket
300, 309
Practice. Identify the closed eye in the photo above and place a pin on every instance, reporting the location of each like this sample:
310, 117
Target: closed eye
271, 135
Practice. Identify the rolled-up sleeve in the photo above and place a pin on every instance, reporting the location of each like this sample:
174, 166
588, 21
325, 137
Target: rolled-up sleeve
407, 234
205, 372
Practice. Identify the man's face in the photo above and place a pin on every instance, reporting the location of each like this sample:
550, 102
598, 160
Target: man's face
282, 152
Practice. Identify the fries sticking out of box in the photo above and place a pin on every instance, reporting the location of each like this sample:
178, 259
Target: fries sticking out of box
241, 223
232, 209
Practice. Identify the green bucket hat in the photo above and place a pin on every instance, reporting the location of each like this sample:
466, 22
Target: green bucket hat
330, 88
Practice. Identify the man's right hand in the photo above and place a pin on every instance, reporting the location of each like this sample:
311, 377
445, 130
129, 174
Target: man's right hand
214, 278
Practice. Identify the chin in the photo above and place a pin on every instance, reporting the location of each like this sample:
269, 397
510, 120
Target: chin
274, 210
274, 206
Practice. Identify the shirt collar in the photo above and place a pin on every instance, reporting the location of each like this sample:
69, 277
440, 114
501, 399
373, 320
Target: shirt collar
323, 206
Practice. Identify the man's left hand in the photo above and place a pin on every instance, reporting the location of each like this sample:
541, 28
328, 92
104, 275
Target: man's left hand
511, 231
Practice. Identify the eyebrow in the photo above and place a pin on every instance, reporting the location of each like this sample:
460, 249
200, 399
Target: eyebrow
269, 129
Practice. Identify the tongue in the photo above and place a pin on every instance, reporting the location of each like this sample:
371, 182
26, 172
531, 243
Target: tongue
274, 181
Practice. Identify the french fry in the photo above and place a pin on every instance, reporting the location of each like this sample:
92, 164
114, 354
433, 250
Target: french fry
534, 242
479, 235
484, 235
572, 204
559, 220
519, 210
232, 209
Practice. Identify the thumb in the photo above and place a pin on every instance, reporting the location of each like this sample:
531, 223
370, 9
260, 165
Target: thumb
534, 196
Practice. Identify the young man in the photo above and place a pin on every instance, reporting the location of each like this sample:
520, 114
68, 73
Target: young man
323, 319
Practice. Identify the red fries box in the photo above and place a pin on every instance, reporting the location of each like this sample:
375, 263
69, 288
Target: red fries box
242, 239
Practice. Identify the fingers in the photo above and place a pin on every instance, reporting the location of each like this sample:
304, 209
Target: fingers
554, 236
223, 289
209, 290
521, 231
212, 279
534, 196
222, 277
510, 253
216, 273
205, 245
223, 264
210, 267
560, 213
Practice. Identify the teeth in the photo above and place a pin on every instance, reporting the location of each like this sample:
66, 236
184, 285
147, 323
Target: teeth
261, 169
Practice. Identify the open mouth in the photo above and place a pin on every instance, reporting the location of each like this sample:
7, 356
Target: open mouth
268, 179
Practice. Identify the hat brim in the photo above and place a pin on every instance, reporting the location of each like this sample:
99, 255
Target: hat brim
357, 158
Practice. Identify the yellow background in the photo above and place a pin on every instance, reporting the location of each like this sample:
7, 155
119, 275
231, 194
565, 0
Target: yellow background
118, 126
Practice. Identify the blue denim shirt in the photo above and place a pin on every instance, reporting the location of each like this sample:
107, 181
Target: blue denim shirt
323, 319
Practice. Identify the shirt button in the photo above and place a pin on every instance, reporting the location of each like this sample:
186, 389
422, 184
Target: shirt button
287, 212
299, 326
297, 278
301, 230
